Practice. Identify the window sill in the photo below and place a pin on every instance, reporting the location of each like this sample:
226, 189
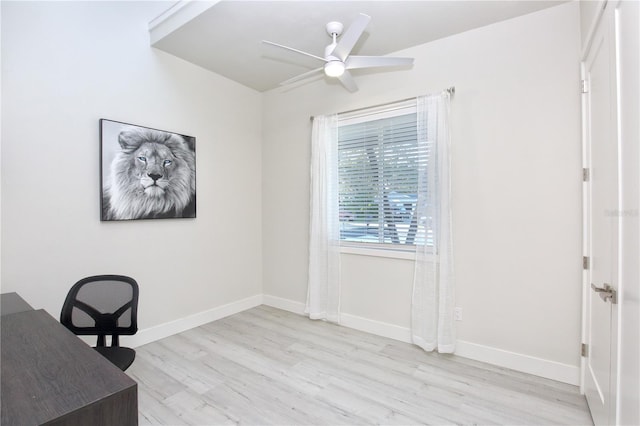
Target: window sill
378, 252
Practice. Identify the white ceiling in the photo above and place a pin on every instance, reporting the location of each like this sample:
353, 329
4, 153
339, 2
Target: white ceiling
225, 36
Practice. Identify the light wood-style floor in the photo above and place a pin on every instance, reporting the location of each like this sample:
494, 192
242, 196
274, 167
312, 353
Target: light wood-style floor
266, 366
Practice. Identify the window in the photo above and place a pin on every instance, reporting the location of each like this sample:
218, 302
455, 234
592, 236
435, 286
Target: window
378, 158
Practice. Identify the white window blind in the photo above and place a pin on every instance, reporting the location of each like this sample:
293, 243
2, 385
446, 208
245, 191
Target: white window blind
378, 158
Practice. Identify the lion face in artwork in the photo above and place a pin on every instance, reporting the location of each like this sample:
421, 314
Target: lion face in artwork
153, 176
153, 167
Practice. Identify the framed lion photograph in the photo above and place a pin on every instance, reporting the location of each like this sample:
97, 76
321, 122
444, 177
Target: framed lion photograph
146, 173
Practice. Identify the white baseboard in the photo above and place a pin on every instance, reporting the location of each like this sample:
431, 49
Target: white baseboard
378, 328
161, 331
524, 363
284, 304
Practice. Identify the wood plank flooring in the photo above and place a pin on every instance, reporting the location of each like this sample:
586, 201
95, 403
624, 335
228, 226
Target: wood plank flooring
266, 366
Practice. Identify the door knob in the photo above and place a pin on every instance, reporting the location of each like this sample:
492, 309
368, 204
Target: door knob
606, 292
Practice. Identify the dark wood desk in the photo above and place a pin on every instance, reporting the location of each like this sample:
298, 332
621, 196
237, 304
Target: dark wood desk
50, 376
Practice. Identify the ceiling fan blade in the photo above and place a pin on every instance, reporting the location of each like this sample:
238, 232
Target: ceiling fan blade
301, 76
294, 50
350, 37
348, 82
355, 62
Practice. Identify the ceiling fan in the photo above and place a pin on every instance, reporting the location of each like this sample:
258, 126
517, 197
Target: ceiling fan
337, 59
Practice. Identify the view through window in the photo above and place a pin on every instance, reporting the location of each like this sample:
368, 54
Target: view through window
378, 158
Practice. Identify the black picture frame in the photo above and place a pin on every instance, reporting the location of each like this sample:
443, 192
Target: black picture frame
145, 173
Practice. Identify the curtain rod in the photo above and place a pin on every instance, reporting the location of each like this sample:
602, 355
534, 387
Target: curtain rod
451, 90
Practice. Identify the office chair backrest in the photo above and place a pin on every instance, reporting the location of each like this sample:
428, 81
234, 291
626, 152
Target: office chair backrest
102, 305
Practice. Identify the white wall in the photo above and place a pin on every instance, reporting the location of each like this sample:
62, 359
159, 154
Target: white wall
516, 184
65, 65
590, 12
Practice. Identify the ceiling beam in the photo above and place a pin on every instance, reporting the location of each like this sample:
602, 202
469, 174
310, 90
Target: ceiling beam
176, 16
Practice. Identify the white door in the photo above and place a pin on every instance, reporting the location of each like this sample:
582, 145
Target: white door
602, 214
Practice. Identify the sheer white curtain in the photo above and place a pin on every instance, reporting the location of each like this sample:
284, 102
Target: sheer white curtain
323, 293
433, 286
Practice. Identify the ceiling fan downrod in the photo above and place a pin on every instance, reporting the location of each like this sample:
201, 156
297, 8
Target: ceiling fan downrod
334, 67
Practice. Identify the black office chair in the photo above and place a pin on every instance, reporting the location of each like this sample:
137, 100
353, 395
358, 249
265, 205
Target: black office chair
104, 305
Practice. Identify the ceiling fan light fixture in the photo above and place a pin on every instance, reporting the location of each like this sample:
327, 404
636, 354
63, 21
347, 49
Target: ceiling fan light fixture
334, 68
